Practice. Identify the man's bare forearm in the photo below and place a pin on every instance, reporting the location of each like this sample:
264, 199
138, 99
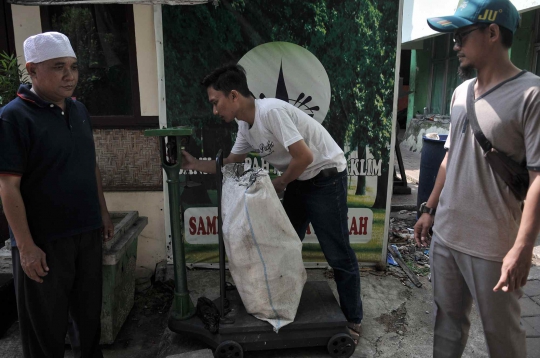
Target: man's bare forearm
207, 166
101, 196
295, 169
15, 211
302, 157
433, 200
425, 221
517, 262
530, 221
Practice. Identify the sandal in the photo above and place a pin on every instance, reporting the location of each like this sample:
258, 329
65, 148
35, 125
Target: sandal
355, 330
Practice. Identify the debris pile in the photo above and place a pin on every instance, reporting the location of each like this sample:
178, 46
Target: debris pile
395, 321
157, 299
402, 250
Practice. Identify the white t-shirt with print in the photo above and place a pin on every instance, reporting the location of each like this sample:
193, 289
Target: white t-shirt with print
278, 125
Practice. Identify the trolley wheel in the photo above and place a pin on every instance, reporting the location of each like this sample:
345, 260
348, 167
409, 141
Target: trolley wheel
229, 349
341, 346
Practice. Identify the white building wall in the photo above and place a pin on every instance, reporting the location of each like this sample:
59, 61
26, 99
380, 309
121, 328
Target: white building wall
415, 13
26, 22
146, 59
152, 244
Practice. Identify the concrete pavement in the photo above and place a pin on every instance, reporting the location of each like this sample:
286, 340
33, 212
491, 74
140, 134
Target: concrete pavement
411, 162
530, 311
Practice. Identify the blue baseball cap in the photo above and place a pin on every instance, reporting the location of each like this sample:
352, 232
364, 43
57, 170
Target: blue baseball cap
470, 12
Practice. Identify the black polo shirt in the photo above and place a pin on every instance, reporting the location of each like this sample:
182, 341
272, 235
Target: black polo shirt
54, 154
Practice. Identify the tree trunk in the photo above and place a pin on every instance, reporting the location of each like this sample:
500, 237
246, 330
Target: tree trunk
382, 191
361, 181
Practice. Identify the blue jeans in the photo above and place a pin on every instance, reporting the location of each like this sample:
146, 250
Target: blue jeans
323, 202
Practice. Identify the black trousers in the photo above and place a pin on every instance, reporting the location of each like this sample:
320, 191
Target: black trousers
73, 286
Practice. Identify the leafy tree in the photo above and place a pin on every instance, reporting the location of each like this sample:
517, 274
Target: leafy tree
355, 40
11, 77
102, 55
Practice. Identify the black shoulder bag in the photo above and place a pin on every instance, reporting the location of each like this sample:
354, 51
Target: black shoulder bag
516, 176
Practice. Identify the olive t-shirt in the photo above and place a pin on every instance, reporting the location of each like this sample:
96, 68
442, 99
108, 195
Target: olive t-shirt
477, 213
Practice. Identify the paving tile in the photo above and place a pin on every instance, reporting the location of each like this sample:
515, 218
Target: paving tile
532, 288
532, 326
534, 273
529, 307
536, 299
533, 347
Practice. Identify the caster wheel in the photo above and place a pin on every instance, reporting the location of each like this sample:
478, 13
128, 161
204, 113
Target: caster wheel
341, 346
229, 349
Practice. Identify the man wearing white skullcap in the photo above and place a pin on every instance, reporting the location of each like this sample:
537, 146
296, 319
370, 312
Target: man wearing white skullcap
46, 46
51, 192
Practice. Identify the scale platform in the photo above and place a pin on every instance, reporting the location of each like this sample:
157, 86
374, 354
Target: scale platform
319, 322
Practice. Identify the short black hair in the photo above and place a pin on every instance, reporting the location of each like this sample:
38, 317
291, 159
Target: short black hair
507, 37
227, 78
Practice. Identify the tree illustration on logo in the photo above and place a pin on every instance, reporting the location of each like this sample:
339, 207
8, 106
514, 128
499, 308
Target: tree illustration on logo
300, 101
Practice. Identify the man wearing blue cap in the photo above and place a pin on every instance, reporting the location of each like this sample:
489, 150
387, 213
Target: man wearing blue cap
51, 192
483, 237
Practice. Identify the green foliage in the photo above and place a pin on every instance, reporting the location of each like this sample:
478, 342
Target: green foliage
104, 83
416, 269
355, 41
358, 52
11, 77
77, 24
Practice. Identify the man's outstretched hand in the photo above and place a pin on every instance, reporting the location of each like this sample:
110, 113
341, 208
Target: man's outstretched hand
33, 262
515, 269
188, 161
108, 227
421, 230
279, 185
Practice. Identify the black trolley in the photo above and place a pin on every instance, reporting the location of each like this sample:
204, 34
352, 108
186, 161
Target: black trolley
319, 320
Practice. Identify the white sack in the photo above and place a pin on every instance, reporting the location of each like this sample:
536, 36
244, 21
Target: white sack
264, 251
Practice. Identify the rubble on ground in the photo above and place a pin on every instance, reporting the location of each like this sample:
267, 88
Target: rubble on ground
157, 299
401, 235
395, 321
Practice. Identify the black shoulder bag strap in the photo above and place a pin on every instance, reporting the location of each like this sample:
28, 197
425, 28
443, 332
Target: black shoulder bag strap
471, 112
471, 115
512, 173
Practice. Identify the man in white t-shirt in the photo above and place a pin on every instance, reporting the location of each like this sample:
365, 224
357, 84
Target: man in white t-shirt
482, 242
313, 166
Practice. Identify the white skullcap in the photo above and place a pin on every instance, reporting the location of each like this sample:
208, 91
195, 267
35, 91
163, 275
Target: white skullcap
45, 46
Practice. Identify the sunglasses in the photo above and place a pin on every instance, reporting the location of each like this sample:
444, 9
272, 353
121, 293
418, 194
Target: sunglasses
458, 37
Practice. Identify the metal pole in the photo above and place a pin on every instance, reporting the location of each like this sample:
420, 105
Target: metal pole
182, 305
219, 184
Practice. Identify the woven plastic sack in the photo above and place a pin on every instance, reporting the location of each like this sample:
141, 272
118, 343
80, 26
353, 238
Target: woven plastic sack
264, 251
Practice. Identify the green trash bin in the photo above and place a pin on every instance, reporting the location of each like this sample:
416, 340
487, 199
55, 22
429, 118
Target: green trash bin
119, 262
